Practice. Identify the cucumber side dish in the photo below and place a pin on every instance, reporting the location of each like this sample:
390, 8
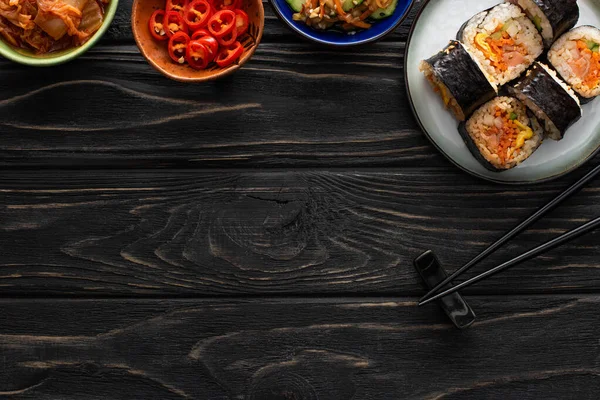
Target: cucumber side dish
348, 15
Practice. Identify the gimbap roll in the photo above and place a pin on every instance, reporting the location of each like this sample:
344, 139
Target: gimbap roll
503, 40
552, 101
501, 135
576, 57
458, 79
552, 18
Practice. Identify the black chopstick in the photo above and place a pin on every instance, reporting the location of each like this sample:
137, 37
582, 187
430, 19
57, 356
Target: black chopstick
523, 257
514, 232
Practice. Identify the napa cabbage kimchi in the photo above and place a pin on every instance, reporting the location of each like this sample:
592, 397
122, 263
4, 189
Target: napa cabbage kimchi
43, 26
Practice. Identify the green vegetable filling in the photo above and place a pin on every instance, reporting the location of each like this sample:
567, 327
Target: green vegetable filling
593, 46
496, 36
537, 21
513, 116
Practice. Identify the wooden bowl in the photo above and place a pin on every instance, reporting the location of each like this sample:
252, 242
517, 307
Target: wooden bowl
157, 55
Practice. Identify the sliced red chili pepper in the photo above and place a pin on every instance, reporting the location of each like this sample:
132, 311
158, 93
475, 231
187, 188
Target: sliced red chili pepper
197, 55
230, 54
221, 23
178, 47
197, 14
227, 4
174, 23
211, 45
176, 5
228, 38
200, 33
241, 22
156, 25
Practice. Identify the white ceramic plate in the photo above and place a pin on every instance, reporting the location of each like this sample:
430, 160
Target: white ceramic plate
437, 23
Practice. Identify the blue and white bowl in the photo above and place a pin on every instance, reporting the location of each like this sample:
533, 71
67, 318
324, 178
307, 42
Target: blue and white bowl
341, 39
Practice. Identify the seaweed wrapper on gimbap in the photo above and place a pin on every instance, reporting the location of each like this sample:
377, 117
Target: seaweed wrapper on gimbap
552, 18
501, 134
576, 57
458, 79
503, 40
552, 100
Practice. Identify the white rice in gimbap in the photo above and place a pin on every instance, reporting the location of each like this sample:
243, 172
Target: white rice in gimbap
458, 79
503, 134
552, 101
551, 18
442, 90
504, 41
576, 56
537, 16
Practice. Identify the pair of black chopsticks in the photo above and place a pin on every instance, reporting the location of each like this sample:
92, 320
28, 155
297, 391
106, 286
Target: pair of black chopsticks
435, 294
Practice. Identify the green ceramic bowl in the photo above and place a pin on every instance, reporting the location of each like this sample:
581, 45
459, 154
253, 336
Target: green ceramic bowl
27, 58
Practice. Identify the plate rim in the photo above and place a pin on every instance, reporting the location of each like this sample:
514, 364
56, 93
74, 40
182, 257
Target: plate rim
447, 156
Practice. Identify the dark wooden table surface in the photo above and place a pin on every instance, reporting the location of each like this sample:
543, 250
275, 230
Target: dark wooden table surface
252, 238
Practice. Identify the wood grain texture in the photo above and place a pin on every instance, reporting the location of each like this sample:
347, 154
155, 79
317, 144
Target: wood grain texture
293, 104
75, 223
297, 349
279, 232
110, 108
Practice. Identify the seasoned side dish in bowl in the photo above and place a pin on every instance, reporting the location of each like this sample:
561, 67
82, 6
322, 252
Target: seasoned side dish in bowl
201, 33
342, 23
197, 40
42, 32
348, 15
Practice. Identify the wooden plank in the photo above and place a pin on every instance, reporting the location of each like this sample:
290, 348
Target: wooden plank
522, 347
110, 108
283, 108
308, 232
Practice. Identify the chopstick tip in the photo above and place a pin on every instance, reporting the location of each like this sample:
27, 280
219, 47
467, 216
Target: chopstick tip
423, 302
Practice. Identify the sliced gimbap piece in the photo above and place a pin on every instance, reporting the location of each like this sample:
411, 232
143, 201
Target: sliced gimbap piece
552, 18
576, 57
458, 79
503, 40
552, 101
501, 134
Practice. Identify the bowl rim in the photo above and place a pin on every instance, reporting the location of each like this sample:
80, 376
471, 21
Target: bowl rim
220, 73
8, 52
329, 43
